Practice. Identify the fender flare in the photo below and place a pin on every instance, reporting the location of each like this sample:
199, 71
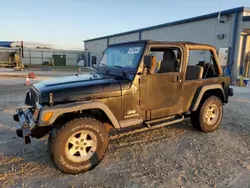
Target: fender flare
74, 107
200, 92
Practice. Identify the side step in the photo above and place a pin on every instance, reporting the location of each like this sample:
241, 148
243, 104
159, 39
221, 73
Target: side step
164, 121
151, 125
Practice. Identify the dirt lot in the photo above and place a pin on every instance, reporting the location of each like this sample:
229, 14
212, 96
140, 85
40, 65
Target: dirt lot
174, 156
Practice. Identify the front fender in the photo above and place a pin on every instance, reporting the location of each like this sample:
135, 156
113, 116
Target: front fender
200, 92
58, 110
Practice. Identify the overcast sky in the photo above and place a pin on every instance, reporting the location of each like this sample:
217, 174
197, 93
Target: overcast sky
66, 23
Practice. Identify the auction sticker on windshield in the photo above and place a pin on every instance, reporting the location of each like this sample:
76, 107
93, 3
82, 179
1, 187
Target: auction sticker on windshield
134, 50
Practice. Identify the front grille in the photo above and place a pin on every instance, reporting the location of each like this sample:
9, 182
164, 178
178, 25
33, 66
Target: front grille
32, 97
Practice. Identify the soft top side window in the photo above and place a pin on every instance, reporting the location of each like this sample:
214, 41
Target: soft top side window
168, 59
202, 59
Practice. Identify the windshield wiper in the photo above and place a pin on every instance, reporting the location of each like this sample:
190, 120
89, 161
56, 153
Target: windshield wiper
123, 73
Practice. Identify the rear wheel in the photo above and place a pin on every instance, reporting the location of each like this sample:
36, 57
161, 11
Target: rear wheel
209, 114
78, 146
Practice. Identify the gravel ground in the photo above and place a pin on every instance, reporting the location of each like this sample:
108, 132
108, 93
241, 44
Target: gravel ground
174, 156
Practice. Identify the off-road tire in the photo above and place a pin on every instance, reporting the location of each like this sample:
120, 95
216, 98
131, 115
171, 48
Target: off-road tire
198, 118
58, 140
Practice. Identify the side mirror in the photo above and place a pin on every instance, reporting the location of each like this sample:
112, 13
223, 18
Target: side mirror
148, 61
93, 60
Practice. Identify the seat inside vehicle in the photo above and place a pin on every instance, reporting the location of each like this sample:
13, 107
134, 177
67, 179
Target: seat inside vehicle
194, 72
168, 64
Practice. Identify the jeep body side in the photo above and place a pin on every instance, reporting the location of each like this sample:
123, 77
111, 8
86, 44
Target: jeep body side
121, 96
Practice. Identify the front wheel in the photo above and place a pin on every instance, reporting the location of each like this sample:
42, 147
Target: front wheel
209, 115
78, 146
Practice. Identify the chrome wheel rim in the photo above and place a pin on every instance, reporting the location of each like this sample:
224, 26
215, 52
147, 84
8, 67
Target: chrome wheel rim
212, 114
81, 146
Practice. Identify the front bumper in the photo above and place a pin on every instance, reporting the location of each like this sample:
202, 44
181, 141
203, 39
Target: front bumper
26, 123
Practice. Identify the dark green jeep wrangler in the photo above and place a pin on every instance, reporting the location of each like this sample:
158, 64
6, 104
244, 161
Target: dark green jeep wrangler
141, 84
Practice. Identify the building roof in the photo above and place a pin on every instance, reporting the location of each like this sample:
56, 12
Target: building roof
197, 18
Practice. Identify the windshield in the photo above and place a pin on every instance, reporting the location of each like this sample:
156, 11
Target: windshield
126, 56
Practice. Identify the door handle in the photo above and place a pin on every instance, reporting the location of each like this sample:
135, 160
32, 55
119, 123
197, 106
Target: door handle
176, 79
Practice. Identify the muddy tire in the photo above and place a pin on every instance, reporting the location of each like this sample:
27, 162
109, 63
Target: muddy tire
209, 114
78, 146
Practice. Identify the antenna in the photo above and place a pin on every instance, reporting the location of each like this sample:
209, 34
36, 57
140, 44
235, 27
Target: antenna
219, 9
219, 16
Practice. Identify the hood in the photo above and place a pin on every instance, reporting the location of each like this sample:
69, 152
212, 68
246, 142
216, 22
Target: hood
81, 87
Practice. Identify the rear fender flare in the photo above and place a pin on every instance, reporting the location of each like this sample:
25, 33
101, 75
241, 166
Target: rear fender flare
58, 110
200, 92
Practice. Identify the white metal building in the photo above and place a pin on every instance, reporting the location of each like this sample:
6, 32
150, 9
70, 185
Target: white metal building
231, 30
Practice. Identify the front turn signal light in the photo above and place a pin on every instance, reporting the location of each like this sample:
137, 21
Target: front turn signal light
47, 116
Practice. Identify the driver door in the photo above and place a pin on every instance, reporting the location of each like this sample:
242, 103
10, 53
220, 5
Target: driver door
163, 88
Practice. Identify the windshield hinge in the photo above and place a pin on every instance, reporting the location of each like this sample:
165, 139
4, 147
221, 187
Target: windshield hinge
51, 98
